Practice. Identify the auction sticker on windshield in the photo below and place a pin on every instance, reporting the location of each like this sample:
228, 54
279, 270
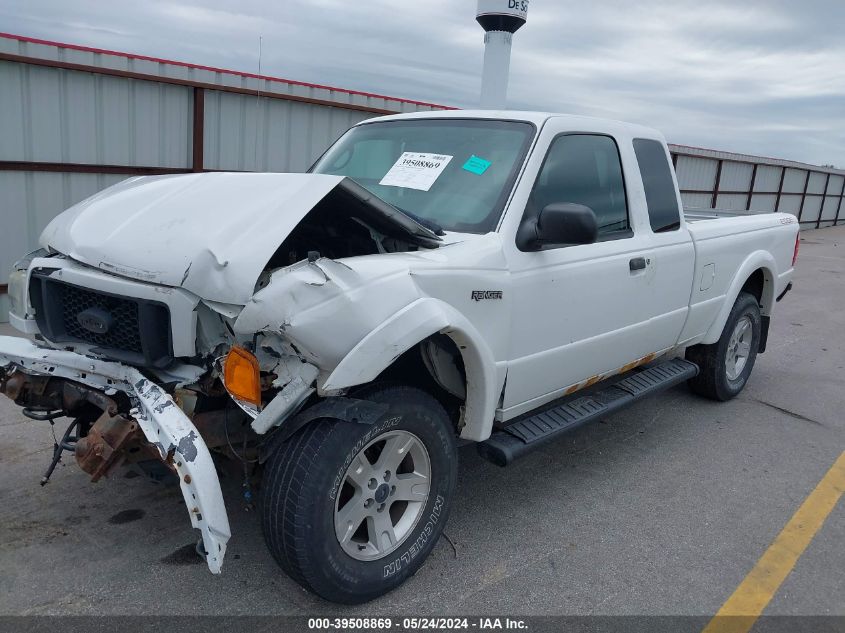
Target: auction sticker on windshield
416, 170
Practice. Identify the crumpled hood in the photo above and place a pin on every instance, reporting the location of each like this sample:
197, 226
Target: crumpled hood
211, 234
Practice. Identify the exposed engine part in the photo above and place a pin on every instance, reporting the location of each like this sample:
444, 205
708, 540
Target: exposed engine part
343, 224
164, 425
45, 399
42, 394
108, 443
103, 438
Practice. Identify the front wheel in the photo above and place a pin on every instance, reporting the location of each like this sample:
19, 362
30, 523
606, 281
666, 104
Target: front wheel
724, 366
350, 510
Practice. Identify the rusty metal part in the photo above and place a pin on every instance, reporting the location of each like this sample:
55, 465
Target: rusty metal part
115, 438
11, 385
26, 389
622, 370
105, 446
46, 393
74, 395
112, 440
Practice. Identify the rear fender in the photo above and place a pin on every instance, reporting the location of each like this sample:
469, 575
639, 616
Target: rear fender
755, 261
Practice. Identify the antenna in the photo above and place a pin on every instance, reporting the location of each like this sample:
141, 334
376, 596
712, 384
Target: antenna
500, 19
257, 107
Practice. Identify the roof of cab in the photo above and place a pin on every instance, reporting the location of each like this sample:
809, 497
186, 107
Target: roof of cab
537, 118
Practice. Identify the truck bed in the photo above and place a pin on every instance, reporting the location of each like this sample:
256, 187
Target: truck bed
696, 214
729, 246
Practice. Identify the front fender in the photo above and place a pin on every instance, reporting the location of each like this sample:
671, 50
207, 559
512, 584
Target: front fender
408, 327
755, 261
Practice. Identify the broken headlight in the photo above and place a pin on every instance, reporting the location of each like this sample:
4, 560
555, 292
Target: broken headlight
17, 284
17, 293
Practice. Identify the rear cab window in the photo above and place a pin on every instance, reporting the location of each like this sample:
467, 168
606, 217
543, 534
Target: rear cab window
663, 212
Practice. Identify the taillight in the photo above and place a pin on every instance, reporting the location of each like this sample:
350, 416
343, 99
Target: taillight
797, 244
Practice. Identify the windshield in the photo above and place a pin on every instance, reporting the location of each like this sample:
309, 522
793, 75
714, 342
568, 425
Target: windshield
456, 173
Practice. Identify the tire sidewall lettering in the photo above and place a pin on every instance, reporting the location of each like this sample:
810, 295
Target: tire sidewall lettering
401, 563
419, 543
376, 429
309, 476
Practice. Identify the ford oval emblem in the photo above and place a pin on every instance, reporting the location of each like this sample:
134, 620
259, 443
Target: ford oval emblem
95, 320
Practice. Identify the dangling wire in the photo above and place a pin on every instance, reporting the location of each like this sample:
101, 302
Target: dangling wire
229, 442
246, 486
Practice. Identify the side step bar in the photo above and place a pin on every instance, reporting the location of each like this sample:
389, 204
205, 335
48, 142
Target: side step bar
535, 430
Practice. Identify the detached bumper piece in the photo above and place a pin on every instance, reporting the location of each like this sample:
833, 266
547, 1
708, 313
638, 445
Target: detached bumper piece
162, 422
535, 430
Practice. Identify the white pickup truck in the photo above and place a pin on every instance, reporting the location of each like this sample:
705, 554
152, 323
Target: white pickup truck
493, 277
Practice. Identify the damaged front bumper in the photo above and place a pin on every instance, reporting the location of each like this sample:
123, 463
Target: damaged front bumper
163, 423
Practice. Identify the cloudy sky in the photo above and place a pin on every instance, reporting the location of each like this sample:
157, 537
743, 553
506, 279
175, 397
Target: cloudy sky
755, 76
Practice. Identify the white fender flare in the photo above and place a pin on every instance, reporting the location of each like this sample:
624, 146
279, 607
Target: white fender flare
408, 327
755, 261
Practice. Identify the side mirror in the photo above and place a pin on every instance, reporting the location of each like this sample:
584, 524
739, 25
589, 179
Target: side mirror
559, 224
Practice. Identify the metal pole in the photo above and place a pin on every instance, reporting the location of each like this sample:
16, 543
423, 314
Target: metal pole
824, 195
803, 196
751, 187
497, 62
839, 206
716, 185
198, 129
780, 188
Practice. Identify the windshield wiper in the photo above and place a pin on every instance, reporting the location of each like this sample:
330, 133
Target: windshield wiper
431, 225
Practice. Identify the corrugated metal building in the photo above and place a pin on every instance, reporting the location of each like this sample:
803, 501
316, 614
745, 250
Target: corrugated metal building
74, 120
712, 179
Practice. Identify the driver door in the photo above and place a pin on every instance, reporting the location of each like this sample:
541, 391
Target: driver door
579, 311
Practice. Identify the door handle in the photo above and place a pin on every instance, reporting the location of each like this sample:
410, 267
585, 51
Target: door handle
638, 263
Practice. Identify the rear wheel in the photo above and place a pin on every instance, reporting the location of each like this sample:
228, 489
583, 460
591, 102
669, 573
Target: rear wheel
724, 366
350, 510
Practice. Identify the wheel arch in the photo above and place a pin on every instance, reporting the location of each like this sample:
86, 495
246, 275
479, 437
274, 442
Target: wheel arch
757, 276
411, 326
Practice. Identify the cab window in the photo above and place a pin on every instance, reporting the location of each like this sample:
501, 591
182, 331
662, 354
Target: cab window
662, 201
586, 169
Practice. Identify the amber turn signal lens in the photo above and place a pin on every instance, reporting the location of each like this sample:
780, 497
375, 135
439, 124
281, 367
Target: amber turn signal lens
242, 376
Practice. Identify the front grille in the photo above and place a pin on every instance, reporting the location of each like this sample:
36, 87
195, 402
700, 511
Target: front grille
134, 330
125, 334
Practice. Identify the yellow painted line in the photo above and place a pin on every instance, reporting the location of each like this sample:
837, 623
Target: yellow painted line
749, 600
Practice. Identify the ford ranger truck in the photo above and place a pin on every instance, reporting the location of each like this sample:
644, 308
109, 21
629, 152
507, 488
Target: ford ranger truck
439, 278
